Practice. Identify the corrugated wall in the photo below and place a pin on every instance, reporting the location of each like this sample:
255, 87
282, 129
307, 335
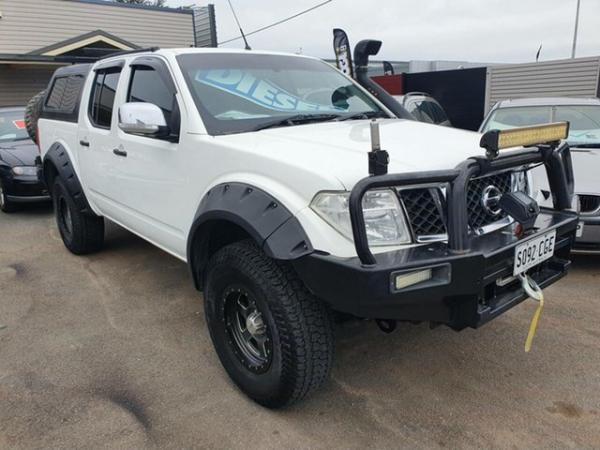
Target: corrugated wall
563, 78
27, 25
205, 26
18, 83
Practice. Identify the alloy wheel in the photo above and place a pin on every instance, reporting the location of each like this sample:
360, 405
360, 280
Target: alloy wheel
248, 333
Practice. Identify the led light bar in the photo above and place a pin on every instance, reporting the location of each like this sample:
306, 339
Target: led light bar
495, 140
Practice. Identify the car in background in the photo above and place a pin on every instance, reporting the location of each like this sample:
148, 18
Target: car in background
424, 108
583, 114
19, 181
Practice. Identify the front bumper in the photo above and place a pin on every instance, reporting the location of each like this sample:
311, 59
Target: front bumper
471, 276
471, 297
590, 238
25, 189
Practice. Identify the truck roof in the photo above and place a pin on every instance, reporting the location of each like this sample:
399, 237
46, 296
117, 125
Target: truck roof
200, 51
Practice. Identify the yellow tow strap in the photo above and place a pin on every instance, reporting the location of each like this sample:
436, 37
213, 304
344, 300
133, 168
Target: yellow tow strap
535, 292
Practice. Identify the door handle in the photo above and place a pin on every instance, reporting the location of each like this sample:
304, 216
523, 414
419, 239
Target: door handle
84, 143
119, 152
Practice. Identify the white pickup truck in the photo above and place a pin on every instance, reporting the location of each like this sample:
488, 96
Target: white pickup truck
265, 173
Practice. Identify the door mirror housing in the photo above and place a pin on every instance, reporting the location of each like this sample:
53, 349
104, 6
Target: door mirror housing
144, 119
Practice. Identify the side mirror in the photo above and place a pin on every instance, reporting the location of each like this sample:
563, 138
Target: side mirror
145, 119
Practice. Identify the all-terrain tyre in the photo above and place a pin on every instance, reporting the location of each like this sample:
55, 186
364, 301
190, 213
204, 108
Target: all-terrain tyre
82, 233
6, 205
273, 337
32, 114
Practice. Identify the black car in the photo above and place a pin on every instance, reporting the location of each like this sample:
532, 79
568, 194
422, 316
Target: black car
19, 181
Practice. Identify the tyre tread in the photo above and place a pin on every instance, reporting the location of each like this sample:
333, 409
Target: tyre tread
305, 324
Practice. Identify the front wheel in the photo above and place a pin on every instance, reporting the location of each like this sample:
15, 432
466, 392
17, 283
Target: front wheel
6, 205
273, 337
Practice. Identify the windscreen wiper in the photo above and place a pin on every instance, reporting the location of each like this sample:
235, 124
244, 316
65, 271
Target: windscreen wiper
296, 120
364, 115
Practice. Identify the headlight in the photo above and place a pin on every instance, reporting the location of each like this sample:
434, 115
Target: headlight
25, 170
384, 218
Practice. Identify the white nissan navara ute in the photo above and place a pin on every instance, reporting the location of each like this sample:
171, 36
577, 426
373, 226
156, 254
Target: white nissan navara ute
294, 192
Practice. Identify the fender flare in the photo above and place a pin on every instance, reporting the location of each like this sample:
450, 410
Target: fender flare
58, 158
268, 222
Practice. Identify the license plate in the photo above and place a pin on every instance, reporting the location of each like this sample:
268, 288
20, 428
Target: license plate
579, 231
533, 252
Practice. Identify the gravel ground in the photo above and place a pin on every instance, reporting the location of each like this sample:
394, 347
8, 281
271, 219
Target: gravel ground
111, 351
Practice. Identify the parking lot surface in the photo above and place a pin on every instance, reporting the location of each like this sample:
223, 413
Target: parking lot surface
111, 351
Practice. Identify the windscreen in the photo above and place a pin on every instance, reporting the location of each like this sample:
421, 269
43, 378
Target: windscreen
238, 93
12, 126
584, 120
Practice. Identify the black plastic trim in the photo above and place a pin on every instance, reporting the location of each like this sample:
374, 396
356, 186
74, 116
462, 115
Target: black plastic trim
119, 64
467, 297
58, 158
559, 169
270, 224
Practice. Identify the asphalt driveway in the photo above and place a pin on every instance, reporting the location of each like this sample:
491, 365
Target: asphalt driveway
111, 351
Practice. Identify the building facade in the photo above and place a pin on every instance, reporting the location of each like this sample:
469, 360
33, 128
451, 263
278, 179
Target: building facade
37, 36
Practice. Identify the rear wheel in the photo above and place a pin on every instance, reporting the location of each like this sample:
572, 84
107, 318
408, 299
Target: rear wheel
82, 233
6, 205
273, 337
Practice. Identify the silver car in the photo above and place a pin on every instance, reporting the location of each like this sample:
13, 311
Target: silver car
583, 114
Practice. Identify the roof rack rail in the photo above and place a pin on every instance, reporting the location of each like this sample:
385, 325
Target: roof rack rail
130, 52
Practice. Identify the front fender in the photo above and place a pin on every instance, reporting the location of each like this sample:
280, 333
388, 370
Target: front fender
263, 217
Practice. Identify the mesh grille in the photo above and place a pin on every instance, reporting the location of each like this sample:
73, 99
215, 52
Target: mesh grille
426, 214
478, 216
589, 203
423, 211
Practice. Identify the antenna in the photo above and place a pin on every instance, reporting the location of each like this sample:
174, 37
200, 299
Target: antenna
239, 26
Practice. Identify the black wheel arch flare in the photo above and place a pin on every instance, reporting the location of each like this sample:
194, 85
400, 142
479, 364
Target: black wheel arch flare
57, 163
269, 223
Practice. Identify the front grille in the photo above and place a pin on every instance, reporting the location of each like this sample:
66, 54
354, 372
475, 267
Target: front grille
478, 215
424, 212
425, 206
589, 203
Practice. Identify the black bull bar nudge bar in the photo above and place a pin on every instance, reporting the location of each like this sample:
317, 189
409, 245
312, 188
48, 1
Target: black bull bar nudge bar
559, 169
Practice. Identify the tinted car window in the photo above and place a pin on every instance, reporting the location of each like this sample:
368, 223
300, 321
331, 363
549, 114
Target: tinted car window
103, 97
419, 110
12, 126
64, 94
147, 86
427, 111
436, 112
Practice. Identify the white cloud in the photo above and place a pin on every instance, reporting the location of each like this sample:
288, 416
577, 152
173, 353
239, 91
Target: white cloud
466, 30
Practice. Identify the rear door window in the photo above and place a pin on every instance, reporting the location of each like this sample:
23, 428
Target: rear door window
102, 98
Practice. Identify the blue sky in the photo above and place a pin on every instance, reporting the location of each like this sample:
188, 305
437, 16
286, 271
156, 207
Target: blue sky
466, 30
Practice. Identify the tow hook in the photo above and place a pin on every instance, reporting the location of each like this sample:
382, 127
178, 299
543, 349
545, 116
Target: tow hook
385, 325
